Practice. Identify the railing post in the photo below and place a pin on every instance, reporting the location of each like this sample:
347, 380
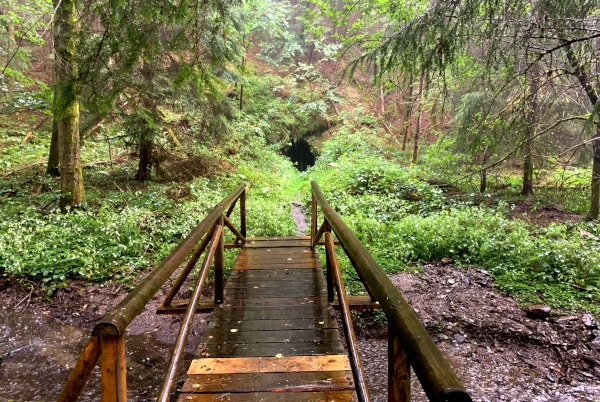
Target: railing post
113, 368
219, 263
398, 369
82, 371
313, 219
329, 277
243, 213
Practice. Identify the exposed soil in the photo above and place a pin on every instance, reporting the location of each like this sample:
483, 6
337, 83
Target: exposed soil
544, 215
496, 349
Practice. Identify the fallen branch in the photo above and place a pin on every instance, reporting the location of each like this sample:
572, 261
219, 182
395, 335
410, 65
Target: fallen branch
29, 134
23, 168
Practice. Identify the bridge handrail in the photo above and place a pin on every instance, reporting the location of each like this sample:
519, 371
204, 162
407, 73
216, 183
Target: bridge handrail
107, 342
119, 317
437, 378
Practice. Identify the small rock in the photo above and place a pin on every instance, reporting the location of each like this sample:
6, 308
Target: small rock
567, 319
589, 321
538, 311
460, 338
451, 281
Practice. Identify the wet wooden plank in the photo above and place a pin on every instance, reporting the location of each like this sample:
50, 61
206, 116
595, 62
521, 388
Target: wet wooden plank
274, 325
284, 364
238, 293
281, 263
282, 243
277, 302
324, 396
251, 292
228, 313
270, 382
271, 349
216, 335
265, 275
279, 238
240, 283
268, 252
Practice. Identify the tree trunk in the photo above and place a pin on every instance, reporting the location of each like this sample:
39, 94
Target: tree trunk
408, 112
147, 137
66, 105
484, 171
10, 48
595, 196
52, 168
145, 163
531, 117
415, 155
586, 83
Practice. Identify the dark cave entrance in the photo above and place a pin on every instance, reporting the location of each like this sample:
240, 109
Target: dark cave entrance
300, 154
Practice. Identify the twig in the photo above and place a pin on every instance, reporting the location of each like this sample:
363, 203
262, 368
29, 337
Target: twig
33, 129
28, 297
23, 168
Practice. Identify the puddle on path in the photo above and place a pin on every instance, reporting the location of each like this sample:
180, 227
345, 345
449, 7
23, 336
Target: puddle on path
38, 352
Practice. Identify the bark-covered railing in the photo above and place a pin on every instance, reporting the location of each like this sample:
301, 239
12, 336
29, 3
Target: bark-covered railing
409, 343
107, 342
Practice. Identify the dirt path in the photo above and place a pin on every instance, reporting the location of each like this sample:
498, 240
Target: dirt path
499, 353
299, 217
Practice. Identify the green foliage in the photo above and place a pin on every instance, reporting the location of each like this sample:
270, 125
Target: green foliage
404, 221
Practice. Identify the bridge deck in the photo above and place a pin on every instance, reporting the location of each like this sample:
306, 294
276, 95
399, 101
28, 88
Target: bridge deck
275, 333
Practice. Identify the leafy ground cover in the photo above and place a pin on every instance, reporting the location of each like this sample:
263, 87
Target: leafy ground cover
405, 221
127, 226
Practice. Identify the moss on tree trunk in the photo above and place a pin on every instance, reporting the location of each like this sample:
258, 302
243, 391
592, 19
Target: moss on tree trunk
66, 105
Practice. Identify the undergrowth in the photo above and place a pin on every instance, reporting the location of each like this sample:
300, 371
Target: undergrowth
404, 222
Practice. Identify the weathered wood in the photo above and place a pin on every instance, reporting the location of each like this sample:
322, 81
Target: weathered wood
435, 374
359, 303
113, 369
119, 317
267, 244
292, 265
351, 343
188, 318
219, 265
318, 313
284, 364
275, 331
82, 371
189, 266
214, 335
271, 349
181, 306
277, 302
398, 369
322, 396
269, 382
275, 325
274, 292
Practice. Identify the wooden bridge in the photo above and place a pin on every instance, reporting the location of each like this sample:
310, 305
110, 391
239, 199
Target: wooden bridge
273, 331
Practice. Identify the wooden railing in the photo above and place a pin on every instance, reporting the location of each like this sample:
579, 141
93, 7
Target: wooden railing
409, 343
107, 342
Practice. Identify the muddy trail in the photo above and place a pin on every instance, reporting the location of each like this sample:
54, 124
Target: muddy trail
500, 351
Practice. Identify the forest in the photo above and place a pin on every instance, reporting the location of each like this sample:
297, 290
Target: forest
459, 140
